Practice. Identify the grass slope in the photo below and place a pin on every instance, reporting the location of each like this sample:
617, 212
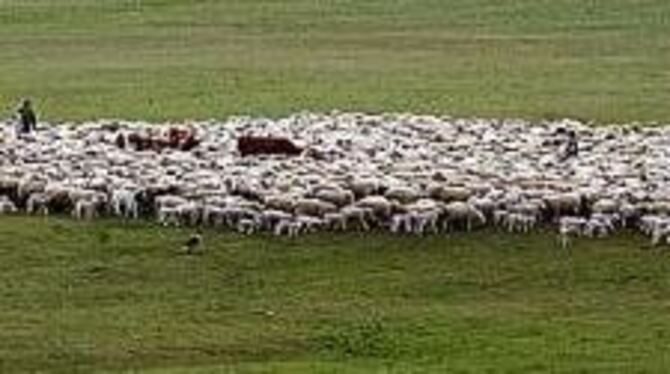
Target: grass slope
160, 59
113, 297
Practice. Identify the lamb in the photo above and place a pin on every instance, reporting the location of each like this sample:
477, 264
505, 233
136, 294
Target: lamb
286, 227
485, 204
38, 203
213, 215
270, 218
7, 206
169, 216
190, 213
232, 215
124, 204
335, 221
521, 222
661, 232
88, 204
595, 227
402, 223
308, 224
247, 226
500, 217
570, 225
85, 209
423, 216
658, 227
649, 223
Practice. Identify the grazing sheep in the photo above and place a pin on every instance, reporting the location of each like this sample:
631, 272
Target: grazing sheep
38, 203
563, 203
124, 204
269, 219
313, 207
404, 195
247, 226
85, 209
570, 225
400, 172
335, 196
308, 224
169, 216
448, 194
380, 206
459, 213
7, 206
286, 227
357, 217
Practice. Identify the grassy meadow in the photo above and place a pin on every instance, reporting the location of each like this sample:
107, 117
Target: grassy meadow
602, 60
114, 297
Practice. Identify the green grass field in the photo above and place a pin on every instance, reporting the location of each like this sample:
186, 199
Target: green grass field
113, 297
120, 297
605, 60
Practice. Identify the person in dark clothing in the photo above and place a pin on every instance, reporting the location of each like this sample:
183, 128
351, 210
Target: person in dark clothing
572, 148
27, 117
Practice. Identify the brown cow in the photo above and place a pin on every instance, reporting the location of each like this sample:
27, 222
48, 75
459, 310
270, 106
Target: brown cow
177, 139
257, 145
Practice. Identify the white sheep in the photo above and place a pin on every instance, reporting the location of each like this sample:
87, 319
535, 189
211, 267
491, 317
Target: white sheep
458, 212
367, 171
38, 203
313, 207
7, 206
379, 205
570, 225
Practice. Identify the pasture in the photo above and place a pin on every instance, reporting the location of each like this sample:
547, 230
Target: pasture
605, 60
118, 297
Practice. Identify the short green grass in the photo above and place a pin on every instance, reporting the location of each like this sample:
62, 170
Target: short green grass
120, 297
603, 60
117, 297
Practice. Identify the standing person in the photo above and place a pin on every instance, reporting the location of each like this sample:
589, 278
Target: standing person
571, 148
27, 117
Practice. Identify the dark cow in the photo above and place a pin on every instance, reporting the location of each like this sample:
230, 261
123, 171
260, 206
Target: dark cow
257, 145
182, 140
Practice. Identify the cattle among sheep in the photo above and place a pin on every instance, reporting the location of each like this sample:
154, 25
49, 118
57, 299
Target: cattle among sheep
408, 174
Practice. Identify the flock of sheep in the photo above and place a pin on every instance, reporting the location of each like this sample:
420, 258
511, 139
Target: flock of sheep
398, 172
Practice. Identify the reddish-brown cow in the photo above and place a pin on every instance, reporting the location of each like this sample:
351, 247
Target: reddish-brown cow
178, 139
257, 145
